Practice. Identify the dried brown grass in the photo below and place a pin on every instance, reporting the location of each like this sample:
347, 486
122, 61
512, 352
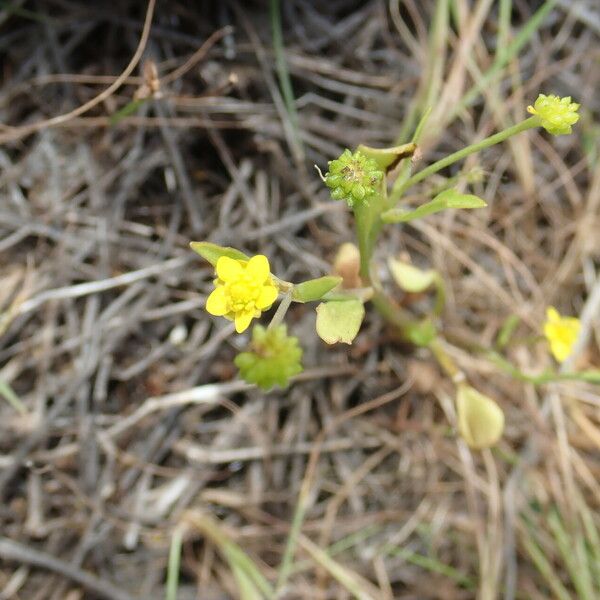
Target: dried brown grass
132, 418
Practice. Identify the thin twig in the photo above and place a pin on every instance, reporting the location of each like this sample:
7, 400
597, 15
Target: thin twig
15, 552
21, 132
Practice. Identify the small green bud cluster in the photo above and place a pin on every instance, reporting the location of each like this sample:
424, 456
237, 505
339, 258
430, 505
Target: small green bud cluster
353, 177
556, 114
273, 358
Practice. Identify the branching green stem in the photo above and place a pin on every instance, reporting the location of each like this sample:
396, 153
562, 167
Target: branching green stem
464, 152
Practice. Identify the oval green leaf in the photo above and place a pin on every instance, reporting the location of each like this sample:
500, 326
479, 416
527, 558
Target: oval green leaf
410, 278
388, 158
212, 252
314, 289
339, 321
451, 198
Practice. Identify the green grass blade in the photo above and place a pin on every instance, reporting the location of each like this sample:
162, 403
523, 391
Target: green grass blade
129, 109
285, 83
9, 395
359, 587
246, 587
173, 567
285, 567
237, 559
503, 58
432, 564
544, 567
434, 69
593, 539
573, 555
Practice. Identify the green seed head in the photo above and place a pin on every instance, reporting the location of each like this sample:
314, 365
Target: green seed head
353, 177
273, 358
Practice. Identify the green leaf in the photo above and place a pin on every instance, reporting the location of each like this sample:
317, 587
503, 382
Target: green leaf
506, 332
388, 158
212, 252
410, 278
339, 321
129, 109
447, 199
314, 289
422, 333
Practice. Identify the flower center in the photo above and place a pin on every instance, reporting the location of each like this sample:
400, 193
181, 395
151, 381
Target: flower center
353, 172
565, 334
242, 294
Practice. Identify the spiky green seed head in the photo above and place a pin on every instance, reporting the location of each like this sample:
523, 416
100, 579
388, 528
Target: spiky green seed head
353, 177
273, 358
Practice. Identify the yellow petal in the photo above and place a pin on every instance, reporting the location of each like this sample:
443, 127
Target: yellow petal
242, 320
268, 295
560, 350
228, 269
574, 325
480, 419
552, 314
549, 330
258, 268
216, 303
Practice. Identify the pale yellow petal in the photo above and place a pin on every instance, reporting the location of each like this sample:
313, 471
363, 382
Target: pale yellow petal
228, 269
552, 314
574, 325
560, 350
549, 330
258, 268
216, 303
242, 320
268, 295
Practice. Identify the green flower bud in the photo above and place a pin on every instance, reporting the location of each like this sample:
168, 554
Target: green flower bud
273, 358
480, 419
353, 177
556, 114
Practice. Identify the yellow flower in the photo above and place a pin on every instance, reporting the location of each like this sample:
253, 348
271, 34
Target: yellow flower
243, 290
556, 114
561, 333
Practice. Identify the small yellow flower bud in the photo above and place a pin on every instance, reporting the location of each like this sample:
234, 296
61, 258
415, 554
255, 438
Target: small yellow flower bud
561, 333
556, 114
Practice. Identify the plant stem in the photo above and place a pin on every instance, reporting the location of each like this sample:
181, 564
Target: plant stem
391, 312
281, 310
363, 218
445, 361
589, 376
464, 152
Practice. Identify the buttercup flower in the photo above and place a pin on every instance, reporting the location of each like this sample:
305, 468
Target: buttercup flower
561, 333
556, 114
243, 290
353, 177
